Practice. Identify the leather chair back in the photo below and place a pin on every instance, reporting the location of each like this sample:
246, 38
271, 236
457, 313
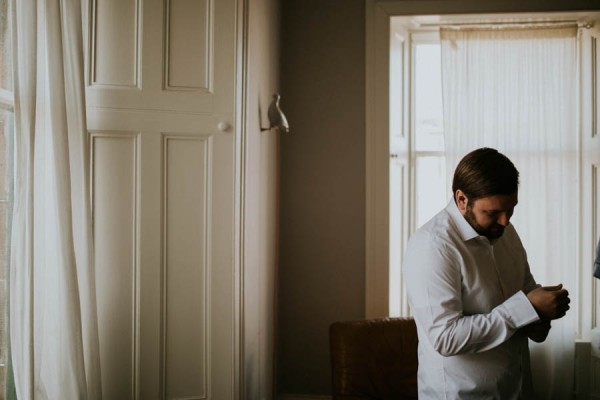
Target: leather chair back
374, 359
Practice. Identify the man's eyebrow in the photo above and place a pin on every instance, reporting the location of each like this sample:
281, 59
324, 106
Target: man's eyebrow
491, 211
499, 209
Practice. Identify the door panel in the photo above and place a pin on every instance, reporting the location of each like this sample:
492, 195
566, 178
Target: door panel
115, 33
185, 273
188, 63
114, 175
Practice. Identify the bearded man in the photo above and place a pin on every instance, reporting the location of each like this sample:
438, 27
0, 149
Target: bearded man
471, 292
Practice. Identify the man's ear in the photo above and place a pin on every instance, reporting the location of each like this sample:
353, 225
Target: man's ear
461, 200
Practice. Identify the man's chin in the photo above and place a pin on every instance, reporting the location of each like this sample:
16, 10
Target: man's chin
495, 234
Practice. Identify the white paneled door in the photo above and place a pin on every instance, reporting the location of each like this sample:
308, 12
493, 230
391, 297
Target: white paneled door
161, 92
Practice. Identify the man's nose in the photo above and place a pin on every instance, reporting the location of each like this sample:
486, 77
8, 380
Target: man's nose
503, 219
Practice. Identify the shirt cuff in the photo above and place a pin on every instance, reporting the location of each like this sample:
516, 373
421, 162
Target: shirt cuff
520, 310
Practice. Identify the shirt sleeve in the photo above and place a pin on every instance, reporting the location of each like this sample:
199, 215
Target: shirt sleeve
433, 280
529, 283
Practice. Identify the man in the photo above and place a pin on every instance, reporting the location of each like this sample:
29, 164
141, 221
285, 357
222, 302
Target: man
470, 290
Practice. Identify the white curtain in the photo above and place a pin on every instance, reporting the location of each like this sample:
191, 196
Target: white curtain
53, 322
515, 90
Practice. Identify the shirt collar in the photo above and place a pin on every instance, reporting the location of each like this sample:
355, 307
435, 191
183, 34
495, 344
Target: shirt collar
465, 229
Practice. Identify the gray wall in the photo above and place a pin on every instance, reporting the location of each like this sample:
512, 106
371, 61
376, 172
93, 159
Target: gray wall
322, 225
260, 219
322, 192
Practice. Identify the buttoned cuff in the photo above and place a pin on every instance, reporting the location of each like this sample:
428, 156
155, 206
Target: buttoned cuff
520, 310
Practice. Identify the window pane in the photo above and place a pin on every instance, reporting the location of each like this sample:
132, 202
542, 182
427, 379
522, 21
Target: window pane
397, 212
429, 131
431, 194
5, 48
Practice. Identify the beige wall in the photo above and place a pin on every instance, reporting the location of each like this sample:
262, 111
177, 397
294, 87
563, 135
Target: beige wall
322, 224
321, 264
260, 220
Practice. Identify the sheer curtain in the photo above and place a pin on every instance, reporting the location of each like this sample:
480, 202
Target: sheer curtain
515, 89
53, 323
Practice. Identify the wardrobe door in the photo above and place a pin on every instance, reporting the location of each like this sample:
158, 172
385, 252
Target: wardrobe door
160, 104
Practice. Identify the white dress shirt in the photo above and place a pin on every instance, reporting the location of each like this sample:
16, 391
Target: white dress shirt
468, 299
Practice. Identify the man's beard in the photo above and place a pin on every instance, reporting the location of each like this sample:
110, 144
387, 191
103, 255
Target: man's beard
493, 232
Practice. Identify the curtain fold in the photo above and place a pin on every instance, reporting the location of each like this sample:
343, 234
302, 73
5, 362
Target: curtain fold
53, 321
515, 90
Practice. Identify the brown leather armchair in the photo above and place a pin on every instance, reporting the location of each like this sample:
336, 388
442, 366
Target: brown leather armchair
374, 359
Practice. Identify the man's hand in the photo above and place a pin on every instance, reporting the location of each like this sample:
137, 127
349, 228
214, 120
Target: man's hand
550, 302
537, 331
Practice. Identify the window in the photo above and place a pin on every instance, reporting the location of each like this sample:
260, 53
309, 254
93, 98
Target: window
404, 160
6, 140
429, 193
418, 173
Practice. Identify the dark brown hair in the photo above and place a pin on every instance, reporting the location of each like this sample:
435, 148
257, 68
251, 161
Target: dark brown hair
485, 172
